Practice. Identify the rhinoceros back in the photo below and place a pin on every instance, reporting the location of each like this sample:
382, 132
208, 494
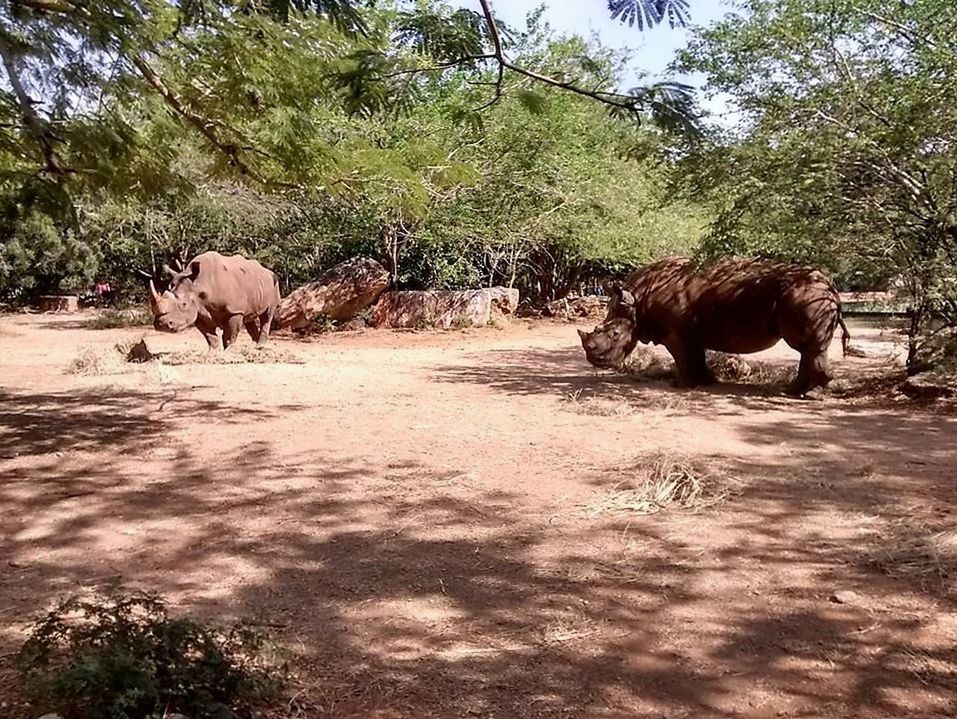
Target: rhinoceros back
236, 285
731, 305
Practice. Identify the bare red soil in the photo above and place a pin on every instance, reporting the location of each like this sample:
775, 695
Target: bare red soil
412, 512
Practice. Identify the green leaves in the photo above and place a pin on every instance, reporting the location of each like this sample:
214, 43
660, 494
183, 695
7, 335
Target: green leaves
847, 156
442, 34
532, 101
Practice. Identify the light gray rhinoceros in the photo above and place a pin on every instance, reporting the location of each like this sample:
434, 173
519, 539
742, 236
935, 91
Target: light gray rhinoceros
215, 291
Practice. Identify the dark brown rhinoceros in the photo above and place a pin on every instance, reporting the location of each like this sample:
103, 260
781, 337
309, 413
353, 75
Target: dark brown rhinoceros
735, 306
218, 292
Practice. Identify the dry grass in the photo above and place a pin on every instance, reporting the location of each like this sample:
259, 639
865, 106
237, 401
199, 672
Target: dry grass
665, 481
930, 668
919, 554
734, 368
240, 354
645, 363
598, 406
98, 361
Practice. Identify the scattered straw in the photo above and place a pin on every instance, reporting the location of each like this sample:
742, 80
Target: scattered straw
734, 368
598, 406
930, 668
664, 482
241, 354
645, 363
920, 554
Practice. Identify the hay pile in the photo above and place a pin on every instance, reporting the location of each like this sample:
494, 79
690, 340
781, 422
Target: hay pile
920, 554
93, 361
241, 354
97, 361
665, 481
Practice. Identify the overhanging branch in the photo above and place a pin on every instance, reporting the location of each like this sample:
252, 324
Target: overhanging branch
628, 103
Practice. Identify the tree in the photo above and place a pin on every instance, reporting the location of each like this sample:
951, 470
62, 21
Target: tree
73, 52
536, 192
845, 152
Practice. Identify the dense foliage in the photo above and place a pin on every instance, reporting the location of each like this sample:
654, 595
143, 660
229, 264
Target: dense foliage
304, 133
844, 152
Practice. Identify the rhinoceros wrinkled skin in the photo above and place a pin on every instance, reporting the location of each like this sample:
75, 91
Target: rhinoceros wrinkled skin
734, 306
218, 292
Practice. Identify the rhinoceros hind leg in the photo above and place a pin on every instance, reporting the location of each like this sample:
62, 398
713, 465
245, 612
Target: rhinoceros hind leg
265, 325
233, 327
813, 371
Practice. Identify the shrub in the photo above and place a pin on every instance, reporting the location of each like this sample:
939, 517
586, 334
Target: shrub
124, 657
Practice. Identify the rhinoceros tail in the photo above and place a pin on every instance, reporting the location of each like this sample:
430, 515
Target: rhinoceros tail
845, 335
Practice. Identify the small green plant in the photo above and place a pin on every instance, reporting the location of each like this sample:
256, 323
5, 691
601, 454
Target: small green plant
322, 324
124, 657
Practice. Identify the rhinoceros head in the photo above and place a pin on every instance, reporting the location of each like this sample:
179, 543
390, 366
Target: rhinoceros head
610, 343
176, 309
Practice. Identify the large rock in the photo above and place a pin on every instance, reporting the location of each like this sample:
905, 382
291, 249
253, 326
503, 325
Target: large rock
339, 294
570, 308
504, 301
444, 308
59, 303
924, 387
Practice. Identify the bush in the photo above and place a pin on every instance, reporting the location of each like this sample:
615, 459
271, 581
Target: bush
117, 319
124, 657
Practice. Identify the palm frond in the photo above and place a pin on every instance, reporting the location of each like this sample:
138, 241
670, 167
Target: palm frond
648, 13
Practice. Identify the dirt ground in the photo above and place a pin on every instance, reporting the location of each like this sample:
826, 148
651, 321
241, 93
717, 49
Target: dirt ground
415, 513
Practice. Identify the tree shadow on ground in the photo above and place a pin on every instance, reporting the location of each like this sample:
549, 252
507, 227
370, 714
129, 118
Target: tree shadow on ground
564, 372
98, 418
406, 592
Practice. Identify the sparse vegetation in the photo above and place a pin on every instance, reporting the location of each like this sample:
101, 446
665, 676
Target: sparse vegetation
124, 657
116, 319
662, 482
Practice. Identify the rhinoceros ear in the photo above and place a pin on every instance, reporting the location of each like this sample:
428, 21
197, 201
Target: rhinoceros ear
626, 298
193, 270
613, 289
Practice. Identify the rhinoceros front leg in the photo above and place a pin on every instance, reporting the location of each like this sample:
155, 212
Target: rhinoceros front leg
210, 333
234, 326
691, 368
254, 329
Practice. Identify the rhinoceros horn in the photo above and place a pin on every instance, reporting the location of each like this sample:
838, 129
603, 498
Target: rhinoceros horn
156, 300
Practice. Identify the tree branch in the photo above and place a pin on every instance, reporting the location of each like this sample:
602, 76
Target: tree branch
204, 126
905, 31
624, 102
33, 125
